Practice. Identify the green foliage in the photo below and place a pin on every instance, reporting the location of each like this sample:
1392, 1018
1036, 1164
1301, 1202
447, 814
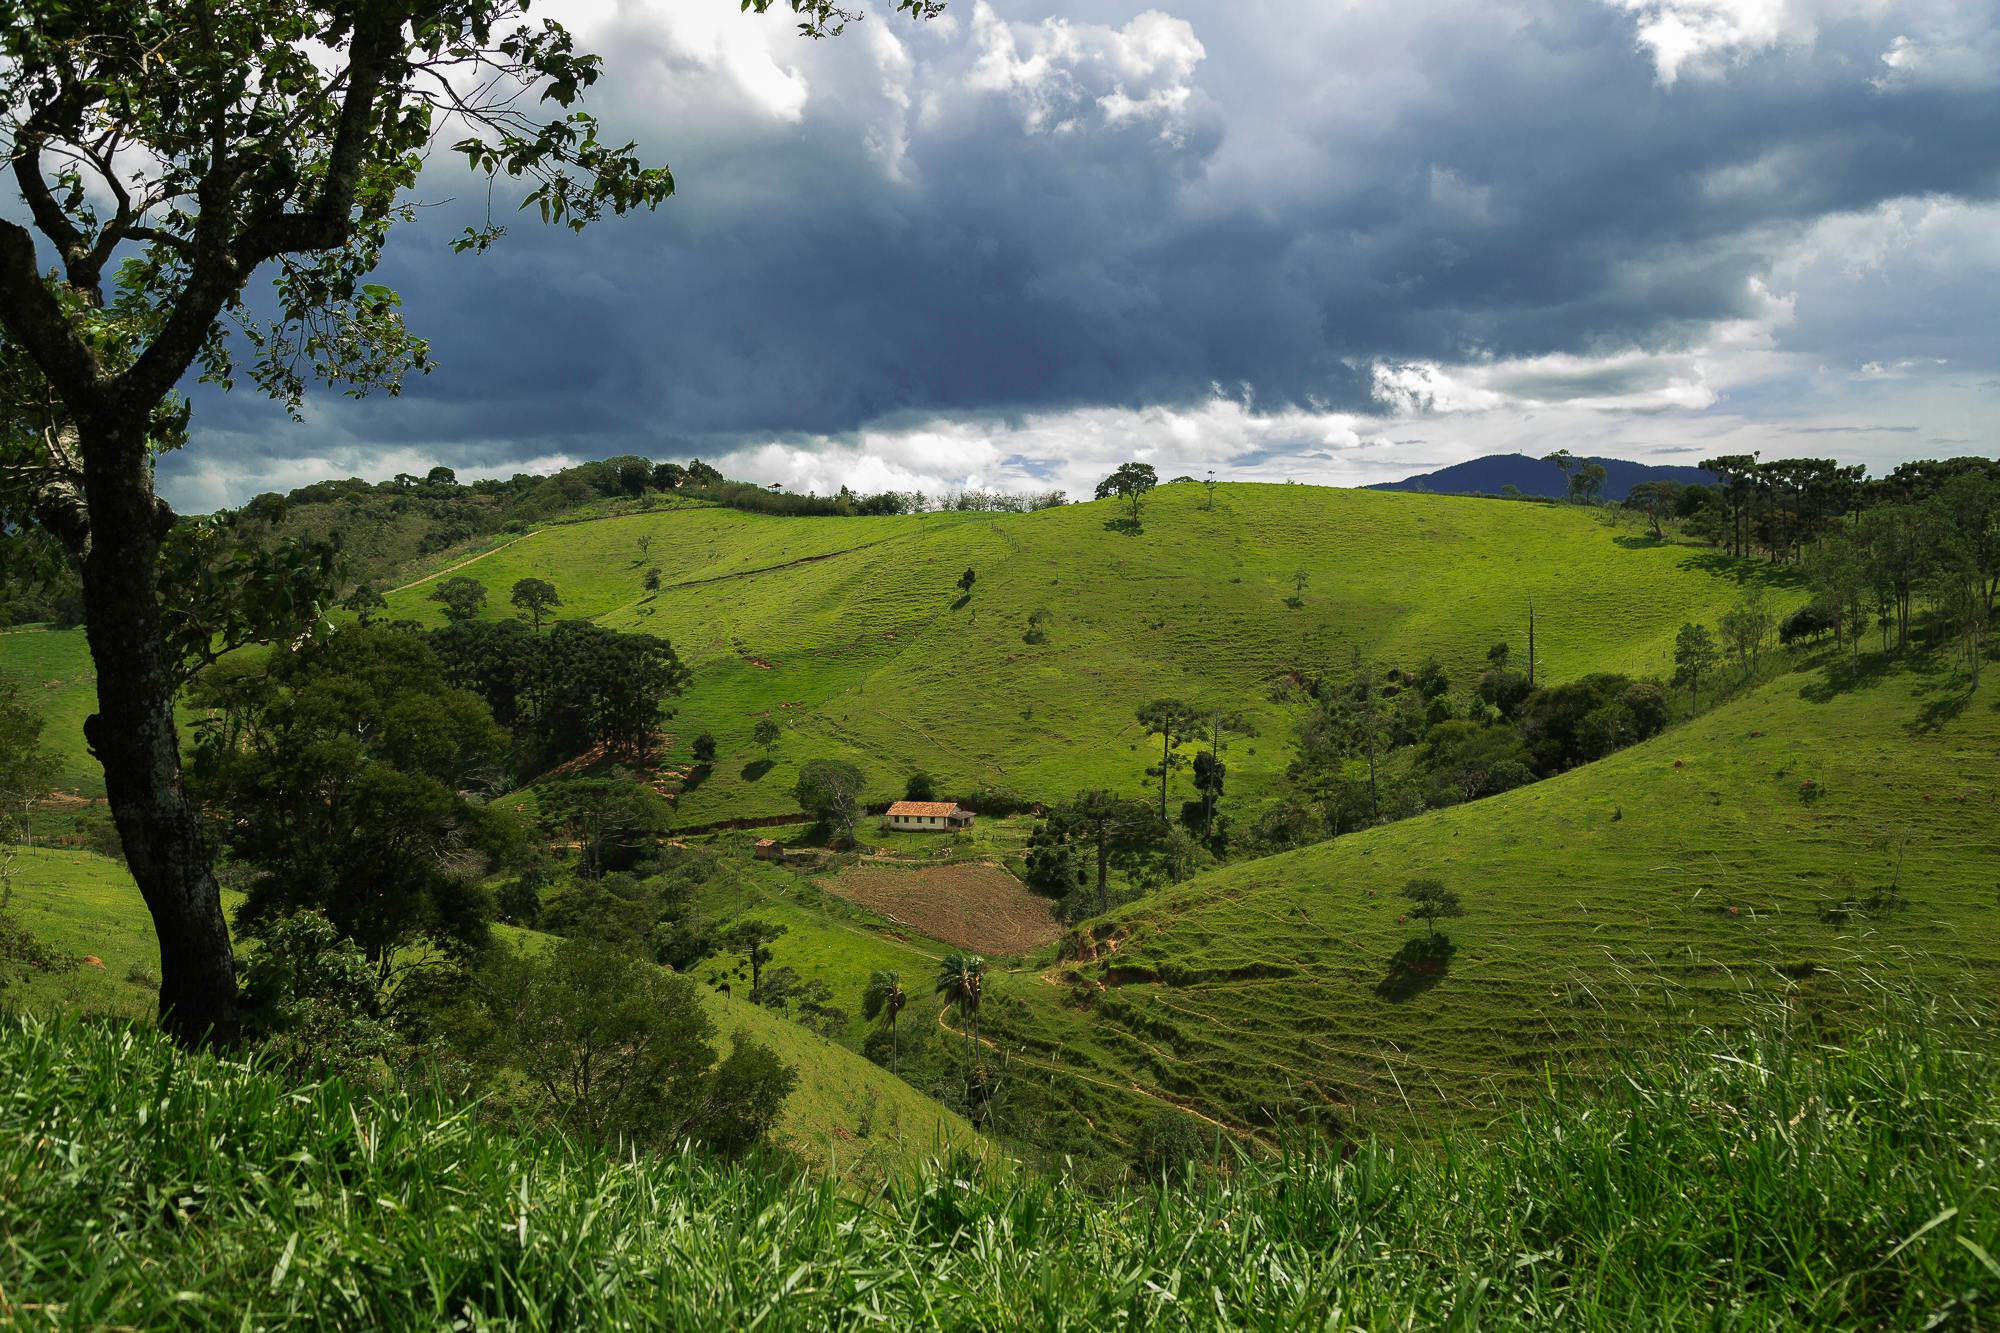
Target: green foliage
613, 820
1588, 719
1695, 655
619, 1051
1099, 826
342, 767
312, 1000
535, 598
578, 687
1431, 902
27, 770
884, 998
753, 939
463, 598
1746, 625
1167, 1144
830, 791
1173, 722
1129, 483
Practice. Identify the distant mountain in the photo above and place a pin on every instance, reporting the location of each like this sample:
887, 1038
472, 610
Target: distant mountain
1531, 476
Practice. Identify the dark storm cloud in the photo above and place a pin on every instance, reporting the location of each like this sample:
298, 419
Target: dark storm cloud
1319, 192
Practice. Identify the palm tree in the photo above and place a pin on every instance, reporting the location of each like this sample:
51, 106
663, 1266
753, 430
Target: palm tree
960, 980
885, 996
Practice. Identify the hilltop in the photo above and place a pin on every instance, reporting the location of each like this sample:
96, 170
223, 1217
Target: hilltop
852, 633
1538, 479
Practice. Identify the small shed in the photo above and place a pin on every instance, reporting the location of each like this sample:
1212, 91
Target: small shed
929, 816
770, 849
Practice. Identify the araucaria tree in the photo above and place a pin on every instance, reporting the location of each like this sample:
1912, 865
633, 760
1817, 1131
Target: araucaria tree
1173, 722
535, 599
164, 154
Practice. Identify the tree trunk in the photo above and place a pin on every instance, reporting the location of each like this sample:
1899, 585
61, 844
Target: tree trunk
133, 735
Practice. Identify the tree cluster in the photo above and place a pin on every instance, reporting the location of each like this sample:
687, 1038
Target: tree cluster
576, 687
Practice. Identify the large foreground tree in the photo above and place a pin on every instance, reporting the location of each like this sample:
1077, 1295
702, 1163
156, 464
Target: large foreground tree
163, 154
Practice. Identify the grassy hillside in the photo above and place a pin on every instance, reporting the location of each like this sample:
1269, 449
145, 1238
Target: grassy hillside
53, 669
1658, 888
1756, 1184
852, 632
846, 1115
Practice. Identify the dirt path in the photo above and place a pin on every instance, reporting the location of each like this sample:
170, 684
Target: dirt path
469, 560
772, 569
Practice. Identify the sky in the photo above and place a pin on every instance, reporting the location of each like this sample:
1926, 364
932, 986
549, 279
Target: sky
1333, 241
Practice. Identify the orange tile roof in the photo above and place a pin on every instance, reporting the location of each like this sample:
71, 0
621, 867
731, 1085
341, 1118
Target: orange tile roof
924, 808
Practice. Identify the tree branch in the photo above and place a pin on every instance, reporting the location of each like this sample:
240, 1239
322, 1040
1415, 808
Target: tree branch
34, 318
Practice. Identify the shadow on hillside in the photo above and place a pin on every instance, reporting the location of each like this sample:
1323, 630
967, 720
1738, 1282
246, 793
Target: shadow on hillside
1131, 527
755, 769
1745, 570
1945, 695
1419, 965
1846, 674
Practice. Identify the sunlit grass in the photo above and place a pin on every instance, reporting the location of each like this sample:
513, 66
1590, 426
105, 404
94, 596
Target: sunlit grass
1771, 1180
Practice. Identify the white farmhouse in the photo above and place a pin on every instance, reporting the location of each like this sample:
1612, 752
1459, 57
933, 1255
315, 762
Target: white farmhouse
929, 816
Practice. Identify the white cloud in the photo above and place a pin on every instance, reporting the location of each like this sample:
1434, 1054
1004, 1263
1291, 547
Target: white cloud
1969, 64
1057, 69
710, 37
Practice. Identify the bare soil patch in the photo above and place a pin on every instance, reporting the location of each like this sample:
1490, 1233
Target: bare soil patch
977, 906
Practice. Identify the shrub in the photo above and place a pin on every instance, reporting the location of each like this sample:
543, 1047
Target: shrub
1166, 1145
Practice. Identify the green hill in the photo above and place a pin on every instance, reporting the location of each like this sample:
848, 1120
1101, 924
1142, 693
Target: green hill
1657, 889
852, 633
847, 1115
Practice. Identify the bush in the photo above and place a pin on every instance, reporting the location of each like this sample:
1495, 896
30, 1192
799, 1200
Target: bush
311, 998
1166, 1145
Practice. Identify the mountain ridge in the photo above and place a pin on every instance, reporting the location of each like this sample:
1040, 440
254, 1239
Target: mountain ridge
1538, 479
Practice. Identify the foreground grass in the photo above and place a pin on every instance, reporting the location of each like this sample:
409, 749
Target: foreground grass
1760, 1182
847, 1118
